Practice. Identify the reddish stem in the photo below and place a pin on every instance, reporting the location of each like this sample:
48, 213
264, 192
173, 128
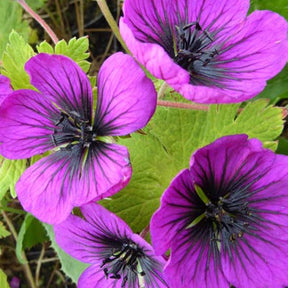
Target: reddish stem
35, 16
182, 105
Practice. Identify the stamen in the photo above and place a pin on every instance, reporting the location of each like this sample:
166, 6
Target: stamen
72, 129
125, 259
195, 54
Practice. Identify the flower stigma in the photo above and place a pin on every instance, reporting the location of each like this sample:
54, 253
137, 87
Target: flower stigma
124, 261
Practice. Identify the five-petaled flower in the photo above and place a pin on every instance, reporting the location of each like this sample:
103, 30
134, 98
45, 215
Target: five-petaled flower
226, 218
205, 49
85, 164
118, 257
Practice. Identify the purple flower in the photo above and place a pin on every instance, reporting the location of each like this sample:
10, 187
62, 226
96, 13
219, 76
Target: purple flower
226, 218
5, 88
118, 257
86, 164
208, 51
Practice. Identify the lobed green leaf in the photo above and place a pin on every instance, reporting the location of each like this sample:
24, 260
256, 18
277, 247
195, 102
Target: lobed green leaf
3, 232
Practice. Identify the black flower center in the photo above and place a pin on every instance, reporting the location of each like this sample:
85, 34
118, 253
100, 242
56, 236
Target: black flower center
227, 221
195, 53
72, 129
124, 263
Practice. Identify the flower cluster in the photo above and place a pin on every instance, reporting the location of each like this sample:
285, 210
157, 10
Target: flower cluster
223, 221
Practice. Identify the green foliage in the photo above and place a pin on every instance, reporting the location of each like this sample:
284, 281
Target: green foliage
36, 4
30, 234
172, 136
3, 280
16, 54
10, 171
76, 49
279, 6
10, 18
3, 232
70, 266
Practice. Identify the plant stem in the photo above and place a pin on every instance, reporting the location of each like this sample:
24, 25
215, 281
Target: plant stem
26, 267
145, 231
182, 105
35, 16
163, 88
112, 23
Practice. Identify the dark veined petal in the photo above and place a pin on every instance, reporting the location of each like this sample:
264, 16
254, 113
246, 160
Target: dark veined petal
126, 97
71, 177
64, 82
154, 58
93, 277
5, 88
151, 21
91, 239
213, 15
26, 124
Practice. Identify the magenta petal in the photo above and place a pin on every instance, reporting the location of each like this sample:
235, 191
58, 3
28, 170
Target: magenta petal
83, 239
46, 189
5, 88
71, 236
126, 97
106, 171
107, 221
191, 267
26, 125
63, 81
170, 218
215, 15
93, 277
150, 55
51, 187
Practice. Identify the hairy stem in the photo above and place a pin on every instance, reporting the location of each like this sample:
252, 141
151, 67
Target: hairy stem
112, 23
35, 16
183, 105
26, 267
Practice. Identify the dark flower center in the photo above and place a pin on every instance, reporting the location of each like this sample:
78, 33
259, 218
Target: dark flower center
72, 129
226, 220
195, 53
124, 263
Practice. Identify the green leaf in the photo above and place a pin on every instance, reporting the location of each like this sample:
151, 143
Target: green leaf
36, 4
278, 6
3, 232
10, 171
172, 136
76, 49
17, 53
3, 280
70, 266
11, 18
30, 234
